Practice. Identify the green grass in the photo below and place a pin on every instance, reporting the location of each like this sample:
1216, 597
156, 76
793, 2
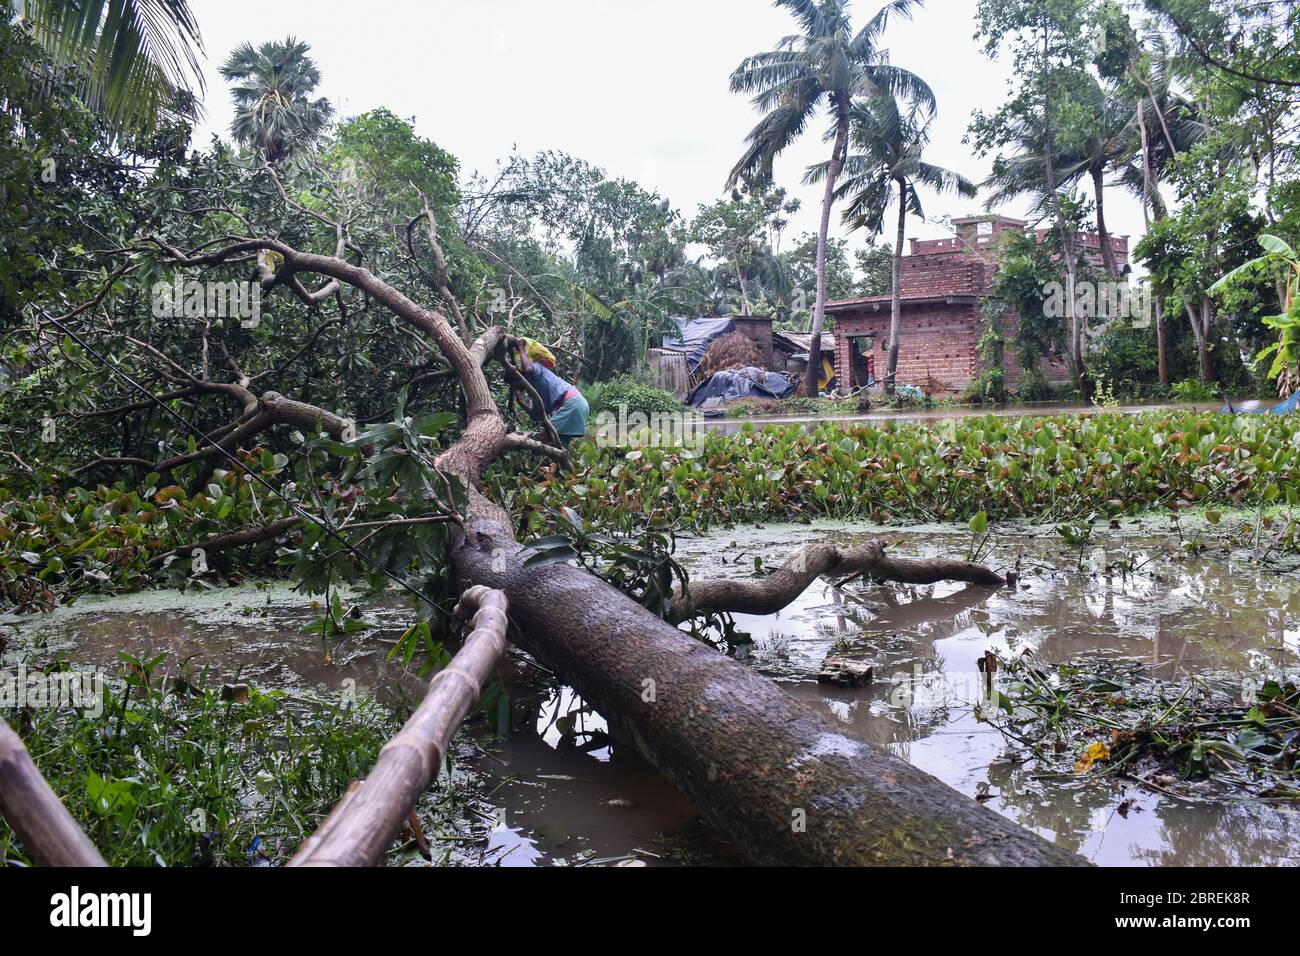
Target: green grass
170, 773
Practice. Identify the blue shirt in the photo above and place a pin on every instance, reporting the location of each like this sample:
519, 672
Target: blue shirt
550, 386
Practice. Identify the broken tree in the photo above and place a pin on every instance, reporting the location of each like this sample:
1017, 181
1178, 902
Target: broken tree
782, 782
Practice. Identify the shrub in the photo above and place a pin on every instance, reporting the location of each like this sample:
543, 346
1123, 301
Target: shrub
632, 392
1191, 390
1034, 387
1125, 357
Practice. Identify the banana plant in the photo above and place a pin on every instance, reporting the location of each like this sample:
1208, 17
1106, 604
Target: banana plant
1286, 350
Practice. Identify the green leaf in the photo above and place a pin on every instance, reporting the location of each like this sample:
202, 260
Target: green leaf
1276, 246
557, 555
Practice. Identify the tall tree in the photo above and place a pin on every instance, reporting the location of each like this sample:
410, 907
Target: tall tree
1212, 233
1256, 41
1098, 144
134, 61
891, 143
274, 112
1049, 49
820, 69
1164, 124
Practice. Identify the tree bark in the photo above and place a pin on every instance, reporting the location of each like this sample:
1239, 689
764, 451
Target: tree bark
783, 783
777, 590
828, 200
35, 813
1103, 234
1152, 201
896, 299
1201, 318
1207, 327
1078, 334
361, 827
1162, 362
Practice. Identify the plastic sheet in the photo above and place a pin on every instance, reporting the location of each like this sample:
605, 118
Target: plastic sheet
728, 386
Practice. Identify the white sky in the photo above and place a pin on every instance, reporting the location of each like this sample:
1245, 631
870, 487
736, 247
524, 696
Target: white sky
638, 87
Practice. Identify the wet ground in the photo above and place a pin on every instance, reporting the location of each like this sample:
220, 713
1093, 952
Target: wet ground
562, 792
544, 797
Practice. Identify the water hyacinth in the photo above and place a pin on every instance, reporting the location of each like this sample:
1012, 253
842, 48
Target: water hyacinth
1040, 469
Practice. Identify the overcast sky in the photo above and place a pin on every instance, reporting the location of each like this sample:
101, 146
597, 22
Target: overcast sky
638, 87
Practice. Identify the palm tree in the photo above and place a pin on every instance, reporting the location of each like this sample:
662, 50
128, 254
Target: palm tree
1164, 124
274, 114
1087, 156
825, 66
891, 144
134, 61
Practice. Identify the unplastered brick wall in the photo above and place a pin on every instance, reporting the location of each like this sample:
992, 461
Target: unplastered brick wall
1056, 368
937, 347
945, 274
940, 339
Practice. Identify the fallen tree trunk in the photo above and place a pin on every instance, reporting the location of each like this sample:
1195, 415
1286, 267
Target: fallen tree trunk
35, 813
363, 824
774, 592
783, 783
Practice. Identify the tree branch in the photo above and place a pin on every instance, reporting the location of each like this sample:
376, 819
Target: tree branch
774, 592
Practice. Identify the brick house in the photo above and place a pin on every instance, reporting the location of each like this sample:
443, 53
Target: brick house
944, 285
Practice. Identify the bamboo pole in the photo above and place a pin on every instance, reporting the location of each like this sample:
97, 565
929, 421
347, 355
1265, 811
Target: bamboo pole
363, 824
34, 811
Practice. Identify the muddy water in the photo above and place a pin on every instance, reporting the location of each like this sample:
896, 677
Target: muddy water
1180, 615
541, 797
560, 791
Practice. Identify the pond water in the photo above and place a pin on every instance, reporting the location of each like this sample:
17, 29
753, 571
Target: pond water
542, 797
578, 797
1217, 613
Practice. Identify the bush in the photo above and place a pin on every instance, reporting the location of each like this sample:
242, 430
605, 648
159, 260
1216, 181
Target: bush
1034, 387
1125, 357
1191, 390
632, 392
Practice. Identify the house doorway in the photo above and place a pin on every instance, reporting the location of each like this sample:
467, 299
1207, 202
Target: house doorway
862, 362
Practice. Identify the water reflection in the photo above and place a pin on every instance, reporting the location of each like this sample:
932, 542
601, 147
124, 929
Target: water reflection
1129, 596
556, 790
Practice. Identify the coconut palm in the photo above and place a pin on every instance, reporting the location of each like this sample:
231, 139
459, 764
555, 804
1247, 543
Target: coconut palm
1086, 156
1164, 124
274, 112
133, 61
821, 68
890, 144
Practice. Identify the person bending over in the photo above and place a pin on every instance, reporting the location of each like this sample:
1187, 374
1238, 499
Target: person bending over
563, 404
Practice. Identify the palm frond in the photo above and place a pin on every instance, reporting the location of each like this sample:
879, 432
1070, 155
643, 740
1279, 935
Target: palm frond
135, 60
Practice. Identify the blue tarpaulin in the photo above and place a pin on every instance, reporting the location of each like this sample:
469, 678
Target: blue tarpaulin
694, 335
1286, 408
732, 384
